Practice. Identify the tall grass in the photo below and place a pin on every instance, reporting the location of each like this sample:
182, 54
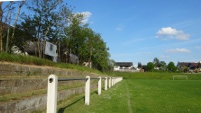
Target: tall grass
42, 62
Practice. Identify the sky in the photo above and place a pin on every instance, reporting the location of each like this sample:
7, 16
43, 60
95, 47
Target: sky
140, 30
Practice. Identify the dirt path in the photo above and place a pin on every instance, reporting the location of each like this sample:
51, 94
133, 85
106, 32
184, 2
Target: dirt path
128, 97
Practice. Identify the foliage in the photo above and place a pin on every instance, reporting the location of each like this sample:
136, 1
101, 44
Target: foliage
22, 35
150, 66
139, 65
85, 43
53, 21
162, 66
47, 23
171, 67
7, 13
156, 62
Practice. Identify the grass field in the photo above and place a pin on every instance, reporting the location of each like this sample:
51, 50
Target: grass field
141, 96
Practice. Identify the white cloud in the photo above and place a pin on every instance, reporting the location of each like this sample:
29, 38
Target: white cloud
197, 47
86, 16
178, 50
168, 32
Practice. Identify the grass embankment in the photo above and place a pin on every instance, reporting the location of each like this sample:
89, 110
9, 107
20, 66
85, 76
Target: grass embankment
19, 96
30, 60
141, 96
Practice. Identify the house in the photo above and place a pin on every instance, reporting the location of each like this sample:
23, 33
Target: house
123, 66
189, 65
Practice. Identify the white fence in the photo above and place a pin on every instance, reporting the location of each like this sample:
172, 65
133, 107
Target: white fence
53, 86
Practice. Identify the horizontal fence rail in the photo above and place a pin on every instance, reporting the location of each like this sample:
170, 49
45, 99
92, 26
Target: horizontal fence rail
71, 79
53, 87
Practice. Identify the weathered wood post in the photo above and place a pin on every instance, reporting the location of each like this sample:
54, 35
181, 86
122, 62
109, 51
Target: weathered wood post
87, 91
52, 94
99, 86
105, 83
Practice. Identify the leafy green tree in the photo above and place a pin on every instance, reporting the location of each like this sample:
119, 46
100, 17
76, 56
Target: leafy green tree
139, 65
46, 23
111, 64
150, 66
156, 62
86, 44
171, 67
162, 65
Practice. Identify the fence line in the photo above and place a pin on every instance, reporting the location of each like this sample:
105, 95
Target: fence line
53, 86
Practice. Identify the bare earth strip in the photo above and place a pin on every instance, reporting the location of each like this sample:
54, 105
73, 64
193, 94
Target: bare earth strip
128, 97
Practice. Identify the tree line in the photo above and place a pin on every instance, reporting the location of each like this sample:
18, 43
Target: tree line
53, 21
158, 65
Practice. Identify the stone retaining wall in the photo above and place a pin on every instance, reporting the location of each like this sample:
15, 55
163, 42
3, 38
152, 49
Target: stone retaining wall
30, 70
31, 78
36, 103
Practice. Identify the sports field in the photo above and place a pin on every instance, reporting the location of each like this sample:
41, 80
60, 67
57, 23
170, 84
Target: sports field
141, 96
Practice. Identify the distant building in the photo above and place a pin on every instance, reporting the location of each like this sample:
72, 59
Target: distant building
189, 65
123, 66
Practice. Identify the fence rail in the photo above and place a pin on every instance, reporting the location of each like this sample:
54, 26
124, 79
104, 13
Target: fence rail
71, 79
53, 86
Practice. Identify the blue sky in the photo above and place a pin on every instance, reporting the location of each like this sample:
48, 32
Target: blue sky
140, 30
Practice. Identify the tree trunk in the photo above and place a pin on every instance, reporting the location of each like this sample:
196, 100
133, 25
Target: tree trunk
18, 13
1, 26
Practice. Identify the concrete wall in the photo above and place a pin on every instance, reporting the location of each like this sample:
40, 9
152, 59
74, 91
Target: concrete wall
11, 69
18, 78
31, 104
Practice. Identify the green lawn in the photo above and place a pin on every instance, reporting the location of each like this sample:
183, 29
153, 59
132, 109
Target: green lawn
141, 96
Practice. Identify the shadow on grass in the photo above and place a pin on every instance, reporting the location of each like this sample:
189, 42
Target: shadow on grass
61, 110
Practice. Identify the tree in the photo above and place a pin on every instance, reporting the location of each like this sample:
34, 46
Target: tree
156, 62
171, 67
1, 26
139, 65
20, 4
150, 66
111, 64
199, 65
162, 65
86, 44
45, 24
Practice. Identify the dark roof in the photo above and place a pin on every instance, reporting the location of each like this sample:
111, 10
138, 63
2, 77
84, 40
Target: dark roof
194, 64
124, 64
182, 64
187, 64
